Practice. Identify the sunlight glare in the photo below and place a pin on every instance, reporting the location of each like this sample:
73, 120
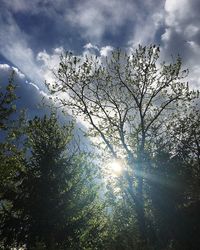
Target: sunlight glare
116, 167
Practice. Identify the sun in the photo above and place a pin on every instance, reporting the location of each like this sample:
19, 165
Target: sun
115, 167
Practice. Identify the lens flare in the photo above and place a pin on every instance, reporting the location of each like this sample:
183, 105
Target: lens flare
115, 167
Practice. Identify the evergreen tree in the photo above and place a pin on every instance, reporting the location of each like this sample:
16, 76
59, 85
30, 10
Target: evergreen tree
53, 203
11, 155
9, 122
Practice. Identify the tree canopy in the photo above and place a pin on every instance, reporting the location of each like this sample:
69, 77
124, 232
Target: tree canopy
132, 101
139, 190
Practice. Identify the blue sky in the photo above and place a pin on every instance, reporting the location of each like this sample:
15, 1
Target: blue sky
34, 33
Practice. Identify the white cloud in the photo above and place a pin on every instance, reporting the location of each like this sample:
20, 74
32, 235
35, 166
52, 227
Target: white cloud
95, 17
182, 35
182, 16
166, 36
8, 69
194, 76
90, 46
14, 47
176, 11
4, 66
18, 72
19, 78
106, 51
147, 23
144, 33
191, 30
49, 63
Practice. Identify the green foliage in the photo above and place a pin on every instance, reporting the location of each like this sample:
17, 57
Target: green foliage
11, 125
136, 105
54, 199
7, 107
125, 97
143, 114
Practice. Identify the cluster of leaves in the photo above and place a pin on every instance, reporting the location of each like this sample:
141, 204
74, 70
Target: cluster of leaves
48, 191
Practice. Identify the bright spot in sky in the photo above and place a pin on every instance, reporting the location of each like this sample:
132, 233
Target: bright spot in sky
115, 167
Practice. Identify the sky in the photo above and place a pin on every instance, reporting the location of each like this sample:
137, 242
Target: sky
34, 33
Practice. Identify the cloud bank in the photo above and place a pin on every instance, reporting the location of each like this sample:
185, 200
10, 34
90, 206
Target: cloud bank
34, 33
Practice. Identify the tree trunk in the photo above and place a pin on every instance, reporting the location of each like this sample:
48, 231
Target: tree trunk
140, 212
140, 203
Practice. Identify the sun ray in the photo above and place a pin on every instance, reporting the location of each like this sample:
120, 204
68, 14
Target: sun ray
115, 167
